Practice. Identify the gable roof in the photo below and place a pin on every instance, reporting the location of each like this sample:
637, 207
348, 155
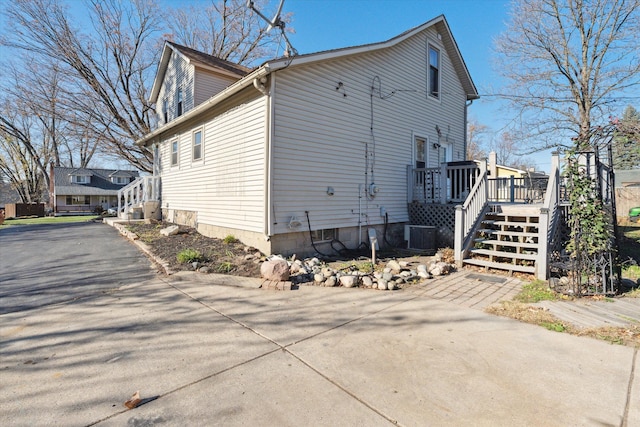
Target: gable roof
268, 67
197, 59
439, 22
100, 181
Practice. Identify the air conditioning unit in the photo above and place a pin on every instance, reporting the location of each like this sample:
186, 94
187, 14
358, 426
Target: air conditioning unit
420, 237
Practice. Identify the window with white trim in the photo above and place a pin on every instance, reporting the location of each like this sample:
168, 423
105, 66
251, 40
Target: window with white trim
179, 103
174, 153
433, 79
197, 144
120, 180
165, 110
78, 200
80, 179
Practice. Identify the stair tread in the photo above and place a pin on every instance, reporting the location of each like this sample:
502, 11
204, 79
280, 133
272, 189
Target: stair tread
508, 233
512, 223
490, 252
499, 265
508, 243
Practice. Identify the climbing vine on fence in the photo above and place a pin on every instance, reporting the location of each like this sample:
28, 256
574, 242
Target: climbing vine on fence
589, 222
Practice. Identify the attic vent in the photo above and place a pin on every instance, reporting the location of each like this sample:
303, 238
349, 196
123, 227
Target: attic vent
420, 237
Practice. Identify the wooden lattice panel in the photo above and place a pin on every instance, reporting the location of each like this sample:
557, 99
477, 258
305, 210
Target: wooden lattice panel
436, 215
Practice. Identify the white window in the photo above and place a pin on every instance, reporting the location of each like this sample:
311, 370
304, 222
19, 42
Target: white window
78, 200
80, 179
165, 110
433, 79
197, 144
326, 235
419, 147
120, 180
179, 103
174, 153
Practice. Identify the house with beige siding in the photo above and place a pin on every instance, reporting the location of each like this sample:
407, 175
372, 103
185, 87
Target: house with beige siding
308, 153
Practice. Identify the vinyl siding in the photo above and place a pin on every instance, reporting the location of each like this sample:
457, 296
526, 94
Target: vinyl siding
226, 187
208, 84
179, 74
320, 135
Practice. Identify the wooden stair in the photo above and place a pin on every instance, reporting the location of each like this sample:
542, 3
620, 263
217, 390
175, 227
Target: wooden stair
507, 239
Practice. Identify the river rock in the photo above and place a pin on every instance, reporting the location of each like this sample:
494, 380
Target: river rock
348, 281
277, 269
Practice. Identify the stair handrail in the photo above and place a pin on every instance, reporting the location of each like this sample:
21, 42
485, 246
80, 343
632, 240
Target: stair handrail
468, 213
548, 221
129, 195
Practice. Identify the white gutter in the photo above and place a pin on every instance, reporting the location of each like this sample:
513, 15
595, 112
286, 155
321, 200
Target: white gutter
211, 102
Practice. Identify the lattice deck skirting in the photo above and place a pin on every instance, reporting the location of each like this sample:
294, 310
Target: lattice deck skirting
436, 215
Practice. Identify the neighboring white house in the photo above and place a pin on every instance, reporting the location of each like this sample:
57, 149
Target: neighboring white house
84, 190
319, 141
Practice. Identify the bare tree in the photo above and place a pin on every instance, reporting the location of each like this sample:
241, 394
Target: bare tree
111, 64
508, 152
568, 63
227, 29
475, 145
23, 155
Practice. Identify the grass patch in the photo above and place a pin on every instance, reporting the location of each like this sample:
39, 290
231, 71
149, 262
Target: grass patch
49, 220
633, 294
225, 267
535, 292
229, 239
188, 255
528, 314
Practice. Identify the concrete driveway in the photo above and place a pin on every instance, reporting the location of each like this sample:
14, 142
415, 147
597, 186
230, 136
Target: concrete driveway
208, 354
48, 264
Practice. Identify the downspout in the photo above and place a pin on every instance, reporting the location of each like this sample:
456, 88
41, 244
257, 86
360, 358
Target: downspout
466, 107
260, 84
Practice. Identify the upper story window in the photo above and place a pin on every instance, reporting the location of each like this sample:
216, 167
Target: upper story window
120, 180
174, 153
80, 179
434, 72
197, 145
165, 110
179, 103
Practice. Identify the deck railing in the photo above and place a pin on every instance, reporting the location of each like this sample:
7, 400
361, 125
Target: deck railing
549, 218
517, 190
449, 183
468, 213
143, 189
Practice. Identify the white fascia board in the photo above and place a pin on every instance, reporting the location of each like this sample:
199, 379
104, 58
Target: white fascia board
210, 103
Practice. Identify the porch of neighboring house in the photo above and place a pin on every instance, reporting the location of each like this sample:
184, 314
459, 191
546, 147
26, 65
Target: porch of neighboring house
505, 223
140, 199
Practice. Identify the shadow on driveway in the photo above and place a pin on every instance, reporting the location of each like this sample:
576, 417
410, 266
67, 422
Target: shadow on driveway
48, 264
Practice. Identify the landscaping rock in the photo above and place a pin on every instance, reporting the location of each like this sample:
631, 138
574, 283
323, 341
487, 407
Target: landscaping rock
204, 270
172, 230
367, 281
330, 282
318, 278
394, 266
348, 281
276, 269
382, 285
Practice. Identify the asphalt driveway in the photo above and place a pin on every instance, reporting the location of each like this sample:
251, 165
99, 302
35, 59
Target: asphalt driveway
48, 264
